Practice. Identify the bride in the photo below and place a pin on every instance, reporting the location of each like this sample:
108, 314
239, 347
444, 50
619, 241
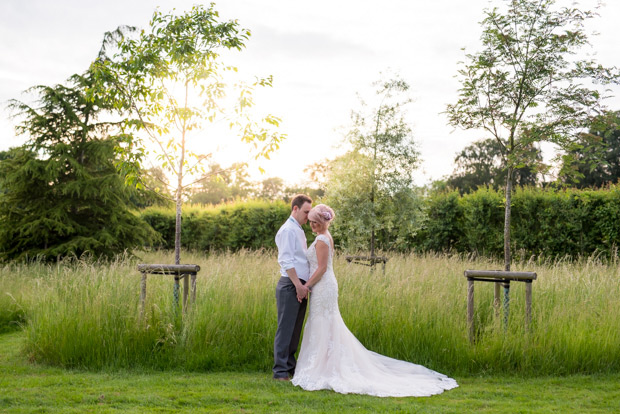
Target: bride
330, 356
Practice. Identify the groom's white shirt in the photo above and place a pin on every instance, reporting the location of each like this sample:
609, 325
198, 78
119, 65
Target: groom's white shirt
292, 246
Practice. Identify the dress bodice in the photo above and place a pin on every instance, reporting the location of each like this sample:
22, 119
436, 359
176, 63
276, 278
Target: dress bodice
312, 257
324, 294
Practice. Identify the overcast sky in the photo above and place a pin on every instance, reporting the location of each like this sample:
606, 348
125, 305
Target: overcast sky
320, 53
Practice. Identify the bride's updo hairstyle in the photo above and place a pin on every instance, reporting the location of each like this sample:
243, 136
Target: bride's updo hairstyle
322, 214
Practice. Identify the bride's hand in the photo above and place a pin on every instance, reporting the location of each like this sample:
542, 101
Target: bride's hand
302, 292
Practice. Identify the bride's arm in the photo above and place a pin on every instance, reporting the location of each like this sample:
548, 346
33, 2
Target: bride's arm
322, 252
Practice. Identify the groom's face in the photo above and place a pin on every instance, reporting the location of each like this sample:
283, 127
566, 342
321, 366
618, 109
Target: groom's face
301, 214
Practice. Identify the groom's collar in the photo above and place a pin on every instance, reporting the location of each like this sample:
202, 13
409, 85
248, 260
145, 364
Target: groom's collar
295, 221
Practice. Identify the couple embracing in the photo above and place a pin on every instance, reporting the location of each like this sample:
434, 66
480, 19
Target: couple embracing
330, 356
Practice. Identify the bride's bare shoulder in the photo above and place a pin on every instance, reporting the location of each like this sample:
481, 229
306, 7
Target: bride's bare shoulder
325, 238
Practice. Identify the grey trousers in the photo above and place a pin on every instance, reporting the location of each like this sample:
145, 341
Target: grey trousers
291, 315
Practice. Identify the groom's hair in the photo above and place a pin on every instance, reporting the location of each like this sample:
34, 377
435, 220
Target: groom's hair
299, 200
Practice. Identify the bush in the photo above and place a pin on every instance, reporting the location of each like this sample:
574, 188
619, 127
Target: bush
443, 228
545, 222
483, 222
235, 226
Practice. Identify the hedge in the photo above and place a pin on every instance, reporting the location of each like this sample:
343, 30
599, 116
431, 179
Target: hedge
545, 222
235, 226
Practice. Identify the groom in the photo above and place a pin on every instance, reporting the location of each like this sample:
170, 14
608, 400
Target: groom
291, 294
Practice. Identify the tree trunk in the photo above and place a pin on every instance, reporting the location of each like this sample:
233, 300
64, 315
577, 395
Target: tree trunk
507, 257
372, 243
179, 200
177, 229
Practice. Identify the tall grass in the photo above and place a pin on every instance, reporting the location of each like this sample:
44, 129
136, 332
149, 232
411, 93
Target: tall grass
12, 312
85, 314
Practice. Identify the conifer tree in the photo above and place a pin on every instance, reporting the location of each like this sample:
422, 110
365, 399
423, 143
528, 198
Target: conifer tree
62, 195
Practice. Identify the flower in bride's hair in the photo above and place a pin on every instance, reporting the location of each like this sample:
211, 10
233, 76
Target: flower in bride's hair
327, 215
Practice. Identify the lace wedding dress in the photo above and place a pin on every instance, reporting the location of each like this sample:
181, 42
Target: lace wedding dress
332, 358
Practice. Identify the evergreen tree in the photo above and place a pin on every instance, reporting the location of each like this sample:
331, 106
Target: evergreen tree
62, 194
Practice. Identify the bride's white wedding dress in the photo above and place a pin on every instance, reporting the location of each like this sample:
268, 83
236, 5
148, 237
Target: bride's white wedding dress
332, 358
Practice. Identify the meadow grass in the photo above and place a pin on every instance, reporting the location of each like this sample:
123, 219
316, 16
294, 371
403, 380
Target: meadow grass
86, 315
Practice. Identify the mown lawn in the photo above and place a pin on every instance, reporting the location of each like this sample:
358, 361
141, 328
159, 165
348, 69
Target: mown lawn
27, 387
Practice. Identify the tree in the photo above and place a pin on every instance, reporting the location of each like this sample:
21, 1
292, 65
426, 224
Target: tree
594, 160
221, 185
313, 186
3, 156
526, 85
365, 184
153, 191
62, 195
155, 180
272, 188
171, 79
316, 194
317, 172
483, 163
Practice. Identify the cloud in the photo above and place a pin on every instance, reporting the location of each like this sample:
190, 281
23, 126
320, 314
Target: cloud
270, 42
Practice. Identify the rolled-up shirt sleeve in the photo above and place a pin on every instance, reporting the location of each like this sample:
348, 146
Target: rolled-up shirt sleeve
286, 249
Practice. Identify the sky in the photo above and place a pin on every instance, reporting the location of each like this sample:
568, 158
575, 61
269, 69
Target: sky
321, 54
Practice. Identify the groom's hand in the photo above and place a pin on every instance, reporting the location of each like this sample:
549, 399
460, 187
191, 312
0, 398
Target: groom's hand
302, 292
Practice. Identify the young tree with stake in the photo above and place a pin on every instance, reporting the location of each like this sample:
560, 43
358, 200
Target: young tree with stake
527, 84
171, 80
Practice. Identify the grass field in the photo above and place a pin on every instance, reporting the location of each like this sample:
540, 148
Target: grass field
32, 388
86, 315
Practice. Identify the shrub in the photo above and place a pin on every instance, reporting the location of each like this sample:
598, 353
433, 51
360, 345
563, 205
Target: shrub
545, 222
234, 226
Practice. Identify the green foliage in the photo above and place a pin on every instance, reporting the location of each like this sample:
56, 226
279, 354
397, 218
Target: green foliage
442, 229
594, 159
222, 185
483, 163
61, 193
86, 315
545, 222
241, 225
153, 191
526, 82
170, 81
370, 187
483, 219
272, 188
348, 193
527, 85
